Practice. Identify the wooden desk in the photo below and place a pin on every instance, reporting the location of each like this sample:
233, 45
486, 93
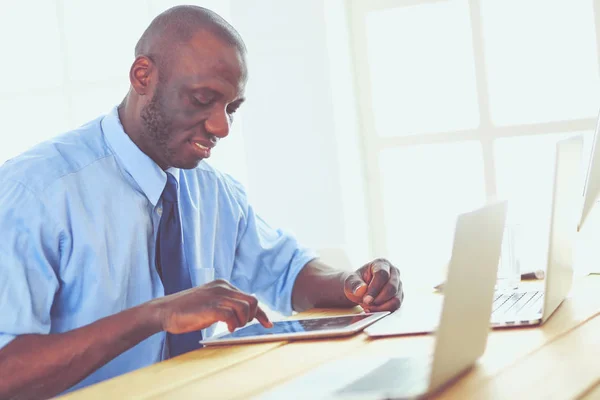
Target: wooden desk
556, 361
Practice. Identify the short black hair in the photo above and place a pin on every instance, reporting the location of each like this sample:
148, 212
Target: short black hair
176, 26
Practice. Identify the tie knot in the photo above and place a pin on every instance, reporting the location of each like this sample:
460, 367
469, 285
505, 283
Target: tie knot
170, 192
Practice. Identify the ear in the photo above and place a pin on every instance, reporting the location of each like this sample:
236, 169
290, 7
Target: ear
141, 75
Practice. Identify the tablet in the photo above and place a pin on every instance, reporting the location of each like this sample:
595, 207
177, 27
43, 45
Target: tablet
312, 328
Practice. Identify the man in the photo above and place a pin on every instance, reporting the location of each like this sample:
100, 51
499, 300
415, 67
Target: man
113, 234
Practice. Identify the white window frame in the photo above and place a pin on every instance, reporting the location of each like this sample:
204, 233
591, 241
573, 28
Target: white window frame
486, 133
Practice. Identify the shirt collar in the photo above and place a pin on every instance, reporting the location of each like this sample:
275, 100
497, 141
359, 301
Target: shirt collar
146, 173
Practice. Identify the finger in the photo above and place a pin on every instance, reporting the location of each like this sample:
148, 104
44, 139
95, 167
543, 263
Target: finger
366, 272
391, 305
227, 315
381, 276
390, 289
355, 288
253, 303
225, 289
240, 307
223, 284
262, 317
256, 312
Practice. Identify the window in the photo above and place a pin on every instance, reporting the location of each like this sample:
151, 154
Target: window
463, 100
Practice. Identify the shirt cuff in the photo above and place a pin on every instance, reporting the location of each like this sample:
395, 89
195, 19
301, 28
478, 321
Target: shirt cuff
5, 339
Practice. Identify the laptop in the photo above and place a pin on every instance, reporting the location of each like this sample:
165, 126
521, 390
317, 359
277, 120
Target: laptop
516, 308
463, 324
522, 308
591, 189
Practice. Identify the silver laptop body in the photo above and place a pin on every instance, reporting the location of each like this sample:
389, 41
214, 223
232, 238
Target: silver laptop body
515, 308
460, 340
521, 308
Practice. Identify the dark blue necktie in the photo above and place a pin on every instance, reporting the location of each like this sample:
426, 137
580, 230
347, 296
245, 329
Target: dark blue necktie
170, 262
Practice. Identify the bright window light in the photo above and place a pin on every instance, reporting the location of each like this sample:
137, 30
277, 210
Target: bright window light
424, 189
422, 72
525, 167
541, 59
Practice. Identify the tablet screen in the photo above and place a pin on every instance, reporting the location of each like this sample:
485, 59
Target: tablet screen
303, 325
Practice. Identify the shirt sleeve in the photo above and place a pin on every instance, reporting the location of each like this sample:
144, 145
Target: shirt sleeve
29, 254
267, 260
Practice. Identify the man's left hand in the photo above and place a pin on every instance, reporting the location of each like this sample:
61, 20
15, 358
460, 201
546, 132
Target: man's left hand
376, 286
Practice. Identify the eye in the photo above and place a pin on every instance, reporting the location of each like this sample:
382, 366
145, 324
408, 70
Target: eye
202, 101
233, 107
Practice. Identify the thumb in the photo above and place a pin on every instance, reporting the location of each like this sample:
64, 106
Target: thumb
355, 288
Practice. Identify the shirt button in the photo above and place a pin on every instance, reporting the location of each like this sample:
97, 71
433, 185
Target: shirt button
159, 211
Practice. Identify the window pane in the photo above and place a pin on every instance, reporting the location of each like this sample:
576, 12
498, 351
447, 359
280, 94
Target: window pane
525, 167
31, 52
541, 60
424, 189
422, 72
27, 120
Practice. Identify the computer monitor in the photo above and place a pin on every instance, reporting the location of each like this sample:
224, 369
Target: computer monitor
591, 188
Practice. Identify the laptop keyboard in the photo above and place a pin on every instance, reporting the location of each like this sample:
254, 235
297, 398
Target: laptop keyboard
397, 375
517, 306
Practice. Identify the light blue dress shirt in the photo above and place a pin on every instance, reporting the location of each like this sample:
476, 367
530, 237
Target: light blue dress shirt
79, 217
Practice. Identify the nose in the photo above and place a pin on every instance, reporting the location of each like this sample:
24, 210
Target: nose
218, 123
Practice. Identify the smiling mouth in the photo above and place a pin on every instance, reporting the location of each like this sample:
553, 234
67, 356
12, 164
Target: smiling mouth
201, 150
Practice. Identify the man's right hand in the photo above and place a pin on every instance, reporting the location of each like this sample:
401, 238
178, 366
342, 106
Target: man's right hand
58, 361
200, 307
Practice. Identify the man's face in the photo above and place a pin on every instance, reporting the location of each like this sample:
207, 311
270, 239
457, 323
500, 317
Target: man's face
193, 104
